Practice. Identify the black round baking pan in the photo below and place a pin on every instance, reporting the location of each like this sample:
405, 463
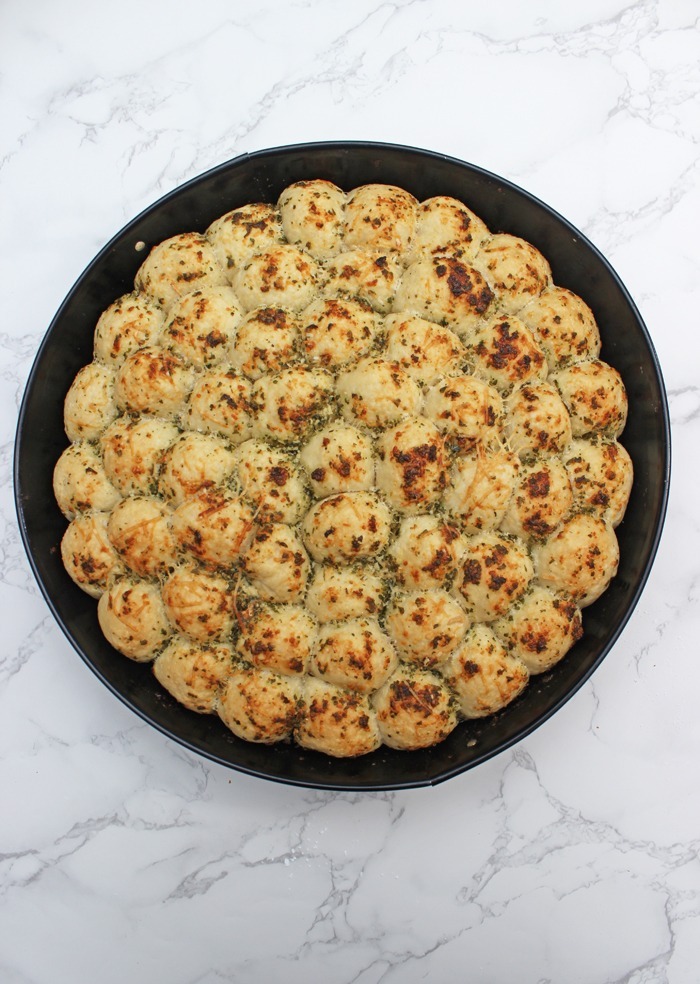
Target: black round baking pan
261, 176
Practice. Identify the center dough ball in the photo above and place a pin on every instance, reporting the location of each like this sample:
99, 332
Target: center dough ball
411, 467
338, 459
283, 276
355, 654
346, 527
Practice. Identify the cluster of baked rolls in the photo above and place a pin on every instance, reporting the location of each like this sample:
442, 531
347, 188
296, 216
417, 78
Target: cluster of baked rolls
345, 468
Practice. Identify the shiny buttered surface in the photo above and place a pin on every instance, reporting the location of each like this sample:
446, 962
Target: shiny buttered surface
345, 468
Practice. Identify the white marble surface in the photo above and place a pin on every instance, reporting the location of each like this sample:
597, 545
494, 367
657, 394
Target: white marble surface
570, 858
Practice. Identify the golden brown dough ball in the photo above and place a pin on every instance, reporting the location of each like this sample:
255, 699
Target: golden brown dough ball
338, 459
484, 675
601, 474
426, 552
370, 274
541, 499
282, 276
338, 593
133, 619
313, 216
131, 322
201, 325
259, 705
495, 571
199, 603
337, 331
466, 409
139, 530
537, 421
336, 722
238, 234
425, 626
564, 325
411, 466
178, 266
155, 381
271, 482
279, 638
414, 709
542, 629
504, 352
87, 554
221, 403
214, 526
80, 482
133, 450
277, 564
194, 462
445, 289
355, 654
595, 397
425, 350
514, 269
480, 485
194, 673
580, 558
267, 339
379, 216
377, 393
90, 404
292, 402
445, 225
347, 527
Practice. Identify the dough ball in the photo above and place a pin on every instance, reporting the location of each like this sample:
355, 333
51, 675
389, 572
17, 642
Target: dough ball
139, 530
238, 235
133, 451
564, 325
271, 482
541, 499
221, 403
194, 462
414, 709
267, 340
601, 474
282, 276
446, 290
280, 638
337, 331
495, 571
292, 403
536, 422
131, 322
338, 459
155, 381
214, 526
354, 654
133, 619
194, 673
595, 397
483, 674
514, 269
338, 593
411, 466
445, 225
259, 705
466, 410
277, 563
313, 216
480, 487
504, 352
425, 626
426, 552
80, 482
580, 558
336, 722
379, 216
87, 554
377, 393
347, 527
368, 274
178, 266
202, 325
541, 629
199, 603
425, 350
90, 404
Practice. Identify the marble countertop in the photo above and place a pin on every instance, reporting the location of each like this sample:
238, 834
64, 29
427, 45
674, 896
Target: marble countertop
573, 856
